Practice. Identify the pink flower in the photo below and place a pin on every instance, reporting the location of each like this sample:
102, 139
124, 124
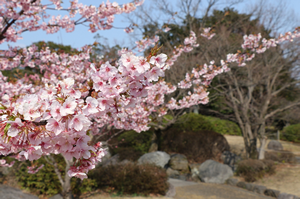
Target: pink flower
91, 106
79, 122
167, 29
15, 127
68, 107
33, 169
159, 60
54, 126
155, 73
55, 110
76, 172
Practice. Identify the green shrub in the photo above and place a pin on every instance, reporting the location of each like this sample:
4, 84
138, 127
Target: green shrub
131, 179
45, 182
197, 122
252, 169
131, 145
291, 133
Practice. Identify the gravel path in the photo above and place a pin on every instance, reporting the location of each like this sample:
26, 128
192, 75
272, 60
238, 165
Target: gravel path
7, 192
211, 191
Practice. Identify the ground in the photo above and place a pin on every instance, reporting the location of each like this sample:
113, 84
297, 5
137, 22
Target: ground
287, 177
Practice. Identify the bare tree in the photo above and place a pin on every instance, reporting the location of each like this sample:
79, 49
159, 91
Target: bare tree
253, 94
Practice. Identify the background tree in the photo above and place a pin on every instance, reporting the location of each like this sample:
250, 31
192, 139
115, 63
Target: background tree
230, 26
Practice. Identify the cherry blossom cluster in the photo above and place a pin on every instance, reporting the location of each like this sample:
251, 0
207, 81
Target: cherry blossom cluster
67, 111
145, 43
34, 169
257, 44
3, 163
189, 44
30, 15
207, 33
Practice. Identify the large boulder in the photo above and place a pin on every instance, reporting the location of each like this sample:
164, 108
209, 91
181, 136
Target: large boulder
179, 162
196, 146
158, 158
214, 172
275, 145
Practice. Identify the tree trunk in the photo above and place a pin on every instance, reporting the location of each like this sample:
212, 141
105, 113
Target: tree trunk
263, 140
261, 153
253, 149
250, 142
155, 141
66, 188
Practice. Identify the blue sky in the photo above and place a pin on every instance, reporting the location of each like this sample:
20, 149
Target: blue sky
81, 36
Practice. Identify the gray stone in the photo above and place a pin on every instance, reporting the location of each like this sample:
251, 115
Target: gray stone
275, 145
158, 158
172, 173
259, 189
214, 172
195, 169
232, 181
13, 193
171, 191
111, 161
272, 192
241, 185
297, 160
115, 160
249, 186
179, 162
57, 196
4, 170
182, 177
286, 196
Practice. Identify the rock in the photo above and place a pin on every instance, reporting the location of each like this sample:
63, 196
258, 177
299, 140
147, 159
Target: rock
111, 161
57, 196
158, 158
245, 185
182, 177
214, 172
179, 162
286, 196
114, 161
297, 160
272, 193
249, 186
275, 145
259, 189
195, 171
171, 192
241, 185
4, 170
230, 159
172, 173
13, 193
232, 181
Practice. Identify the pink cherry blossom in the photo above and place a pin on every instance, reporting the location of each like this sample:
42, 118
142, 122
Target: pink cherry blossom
54, 126
79, 123
68, 107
